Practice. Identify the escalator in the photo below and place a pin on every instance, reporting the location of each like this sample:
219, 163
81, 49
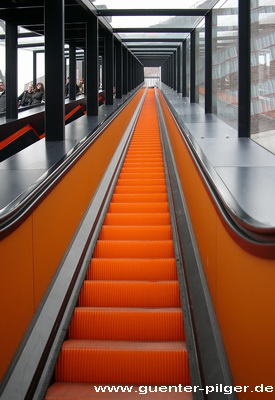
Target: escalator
127, 328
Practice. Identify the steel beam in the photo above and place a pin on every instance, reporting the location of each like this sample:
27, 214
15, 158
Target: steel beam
11, 70
54, 70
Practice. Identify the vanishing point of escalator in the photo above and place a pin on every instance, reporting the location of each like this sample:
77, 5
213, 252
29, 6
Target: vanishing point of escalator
128, 328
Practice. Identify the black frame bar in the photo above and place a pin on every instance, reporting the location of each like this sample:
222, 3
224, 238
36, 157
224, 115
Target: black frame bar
11, 68
125, 70
184, 59
208, 63
109, 65
34, 70
141, 12
92, 69
54, 70
119, 69
178, 70
72, 73
244, 62
155, 30
193, 89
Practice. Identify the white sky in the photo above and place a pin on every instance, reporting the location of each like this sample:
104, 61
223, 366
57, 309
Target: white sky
148, 4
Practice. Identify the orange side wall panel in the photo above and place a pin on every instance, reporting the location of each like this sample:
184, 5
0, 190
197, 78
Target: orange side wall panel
16, 289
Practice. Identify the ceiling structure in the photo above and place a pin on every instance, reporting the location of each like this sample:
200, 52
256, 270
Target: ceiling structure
150, 30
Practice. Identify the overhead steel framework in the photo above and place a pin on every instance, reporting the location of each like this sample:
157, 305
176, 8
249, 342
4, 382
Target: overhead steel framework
124, 50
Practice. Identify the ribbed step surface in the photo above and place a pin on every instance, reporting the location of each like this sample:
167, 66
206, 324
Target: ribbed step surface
155, 232
139, 362
134, 249
129, 294
137, 269
128, 328
84, 391
137, 324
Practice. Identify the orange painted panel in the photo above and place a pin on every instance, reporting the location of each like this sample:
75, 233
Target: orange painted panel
16, 290
245, 310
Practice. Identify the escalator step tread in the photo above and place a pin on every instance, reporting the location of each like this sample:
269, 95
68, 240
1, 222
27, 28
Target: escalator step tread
124, 361
129, 294
86, 391
138, 207
140, 189
134, 249
137, 218
114, 232
132, 269
140, 182
136, 324
139, 197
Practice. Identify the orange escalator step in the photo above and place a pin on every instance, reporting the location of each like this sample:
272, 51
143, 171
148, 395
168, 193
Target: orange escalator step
145, 151
134, 249
137, 219
145, 147
132, 269
109, 391
126, 324
142, 175
129, 294
111, 232
154, 363
140, 182
142, 170
143, 158
138, 208
140, 189
139, 198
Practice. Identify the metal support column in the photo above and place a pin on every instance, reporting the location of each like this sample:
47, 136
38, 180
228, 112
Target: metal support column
125, 70
109, 69
92, 66
208, 62
34, 68
84, 71
194, 95
72, 74
54, 70
169, 71
11, 70
134, 72
130, 72
119, 70
175, 70
184, 60
244, 89
178, 71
